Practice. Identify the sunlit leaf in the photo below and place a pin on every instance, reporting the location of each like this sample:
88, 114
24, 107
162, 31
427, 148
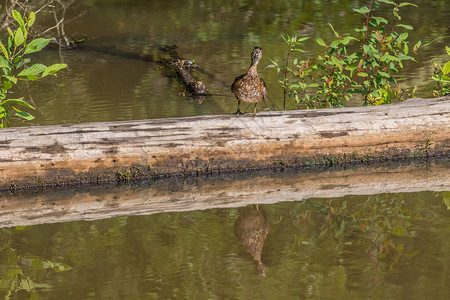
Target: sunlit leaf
446, 68
362, 74
384, 74
334, 31
11, 78
33, 70
303, 39
25, 115
18, 101
7, 85
363, 10
381, 20
406, 3
417, 46
36, 45
313, 85
387, 2
18, 17
31, 19
53, 69
408, 27
4, 51
19, 38
321, 42
4, 63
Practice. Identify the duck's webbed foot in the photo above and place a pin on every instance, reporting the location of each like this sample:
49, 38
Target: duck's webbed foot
238, 112
252, 114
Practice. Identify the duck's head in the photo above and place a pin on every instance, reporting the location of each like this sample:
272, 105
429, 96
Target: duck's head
256, 55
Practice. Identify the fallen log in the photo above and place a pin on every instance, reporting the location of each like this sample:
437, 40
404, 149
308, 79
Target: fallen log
131, 150
169, 196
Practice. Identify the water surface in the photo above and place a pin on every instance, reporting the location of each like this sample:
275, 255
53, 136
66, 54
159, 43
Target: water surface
218, 35
386, 246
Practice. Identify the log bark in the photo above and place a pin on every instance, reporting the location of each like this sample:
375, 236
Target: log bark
97, 152
172, 196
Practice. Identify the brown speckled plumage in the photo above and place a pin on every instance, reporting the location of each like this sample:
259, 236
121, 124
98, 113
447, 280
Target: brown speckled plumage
249, 87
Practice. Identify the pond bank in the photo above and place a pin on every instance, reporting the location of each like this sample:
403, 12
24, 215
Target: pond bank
218, 192
33, 157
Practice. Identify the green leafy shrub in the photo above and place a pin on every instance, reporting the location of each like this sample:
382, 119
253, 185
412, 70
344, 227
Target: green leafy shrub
442, 77
14, 65
363, 64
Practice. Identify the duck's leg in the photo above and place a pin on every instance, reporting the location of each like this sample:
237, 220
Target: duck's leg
253, 113
238, 112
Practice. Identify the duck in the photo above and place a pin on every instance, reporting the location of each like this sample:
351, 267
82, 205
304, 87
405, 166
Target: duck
249, 87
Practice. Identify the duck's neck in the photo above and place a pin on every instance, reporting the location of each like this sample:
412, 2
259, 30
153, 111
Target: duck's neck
253, 69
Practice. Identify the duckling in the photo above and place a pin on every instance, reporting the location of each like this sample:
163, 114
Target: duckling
249, 87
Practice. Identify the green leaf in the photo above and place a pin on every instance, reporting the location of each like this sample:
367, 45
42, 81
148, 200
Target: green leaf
11, 78
337, 62
408, 27
384, 74
313, 85
363, 10
347, 39
4, 51
25, 115
381, 20
16, 15
417, 46
33, 70
19, 38
56, 67
22, 63
32, 77
302, 39
362, 74
387, 2
36, 45
448, 50
321, 42
7, 85
332, 28
10, 32
4, 63
31, 19
406, 3
18, 101
406, 49
402, 37
446, 68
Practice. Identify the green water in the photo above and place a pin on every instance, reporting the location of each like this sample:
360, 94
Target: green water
218, 35
388, 246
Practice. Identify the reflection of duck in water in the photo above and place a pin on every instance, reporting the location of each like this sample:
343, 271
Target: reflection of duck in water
251, 229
